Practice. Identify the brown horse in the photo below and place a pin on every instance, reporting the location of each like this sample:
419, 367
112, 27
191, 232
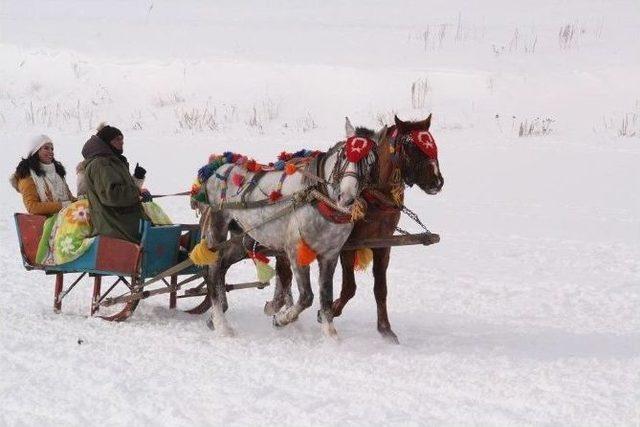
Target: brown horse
409, 157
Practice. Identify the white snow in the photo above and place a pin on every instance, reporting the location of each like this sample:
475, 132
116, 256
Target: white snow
526, 313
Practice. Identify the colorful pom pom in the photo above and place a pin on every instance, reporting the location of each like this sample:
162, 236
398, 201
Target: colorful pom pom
275, 195
279, 165
237, 179
290, 169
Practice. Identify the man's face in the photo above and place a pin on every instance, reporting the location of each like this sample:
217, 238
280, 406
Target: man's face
118, 143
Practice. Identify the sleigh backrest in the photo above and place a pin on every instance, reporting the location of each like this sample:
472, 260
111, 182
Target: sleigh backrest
29, 229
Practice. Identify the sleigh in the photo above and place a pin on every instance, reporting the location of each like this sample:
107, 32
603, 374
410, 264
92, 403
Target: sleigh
127, 269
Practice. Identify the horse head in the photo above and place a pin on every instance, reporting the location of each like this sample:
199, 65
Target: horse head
416, 152
356, 161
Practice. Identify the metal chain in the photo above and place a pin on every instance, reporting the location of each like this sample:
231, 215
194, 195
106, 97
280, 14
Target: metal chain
411, 214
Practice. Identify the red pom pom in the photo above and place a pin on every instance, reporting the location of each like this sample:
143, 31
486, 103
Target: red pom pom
290, 169
237, 179
284, 156
275, 195
252, 165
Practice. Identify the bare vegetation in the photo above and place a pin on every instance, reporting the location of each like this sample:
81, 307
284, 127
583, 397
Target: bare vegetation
419, 91
535, 127
197, 119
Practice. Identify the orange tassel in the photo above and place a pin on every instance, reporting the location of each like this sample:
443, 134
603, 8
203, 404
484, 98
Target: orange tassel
290, 169
304, 255
362, 259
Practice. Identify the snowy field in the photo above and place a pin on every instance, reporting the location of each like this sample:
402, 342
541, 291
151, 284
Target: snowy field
526, 313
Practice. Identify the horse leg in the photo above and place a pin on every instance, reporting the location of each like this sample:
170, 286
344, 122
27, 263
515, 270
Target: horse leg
305, 297
380, 264
348, 290
282, 291
217, 293
325, 314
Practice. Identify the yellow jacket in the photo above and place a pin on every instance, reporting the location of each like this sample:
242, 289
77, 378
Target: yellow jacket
31, 200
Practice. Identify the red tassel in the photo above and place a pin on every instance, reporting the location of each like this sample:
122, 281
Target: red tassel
275, 195
290, 169
237, 179
259, 257
304, 254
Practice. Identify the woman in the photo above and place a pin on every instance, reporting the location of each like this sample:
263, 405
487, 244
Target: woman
41, 179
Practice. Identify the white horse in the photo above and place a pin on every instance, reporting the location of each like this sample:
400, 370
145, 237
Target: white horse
287, 224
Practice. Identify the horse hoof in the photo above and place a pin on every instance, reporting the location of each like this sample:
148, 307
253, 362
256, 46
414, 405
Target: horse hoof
337, 308
276, 322
210, 324
269, 310
389, 336
329, 331
228, 332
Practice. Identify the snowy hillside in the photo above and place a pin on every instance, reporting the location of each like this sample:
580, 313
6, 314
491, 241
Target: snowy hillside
526, 313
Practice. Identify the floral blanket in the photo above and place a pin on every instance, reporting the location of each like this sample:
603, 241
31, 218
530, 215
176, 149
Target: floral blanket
65, 235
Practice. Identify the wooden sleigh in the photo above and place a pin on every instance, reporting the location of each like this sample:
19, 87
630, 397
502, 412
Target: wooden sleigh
159, 258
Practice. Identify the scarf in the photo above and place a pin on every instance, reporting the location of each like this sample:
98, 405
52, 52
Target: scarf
51, 187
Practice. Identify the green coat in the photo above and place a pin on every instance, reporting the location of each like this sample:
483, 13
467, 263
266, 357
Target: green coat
114, 198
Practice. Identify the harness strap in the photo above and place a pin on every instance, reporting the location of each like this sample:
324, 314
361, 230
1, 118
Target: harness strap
253, 183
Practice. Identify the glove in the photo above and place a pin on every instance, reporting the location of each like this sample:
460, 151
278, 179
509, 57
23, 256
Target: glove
145, 196
139, 172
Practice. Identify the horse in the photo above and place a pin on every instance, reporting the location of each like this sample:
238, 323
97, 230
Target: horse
408, 157
289, 224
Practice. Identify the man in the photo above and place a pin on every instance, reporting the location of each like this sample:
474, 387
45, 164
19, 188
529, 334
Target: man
114, 197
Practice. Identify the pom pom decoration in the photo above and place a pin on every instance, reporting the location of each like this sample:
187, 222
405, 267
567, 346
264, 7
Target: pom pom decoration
275, 195
201, 255
363, 258
279, 165
284, 156
252, 166
237, 179
304, 254
290, 169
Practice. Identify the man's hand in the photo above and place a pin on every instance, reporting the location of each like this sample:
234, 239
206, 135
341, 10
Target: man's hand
139, 172
145, 196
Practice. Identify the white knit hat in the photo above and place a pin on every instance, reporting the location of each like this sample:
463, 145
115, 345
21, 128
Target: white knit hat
37, 142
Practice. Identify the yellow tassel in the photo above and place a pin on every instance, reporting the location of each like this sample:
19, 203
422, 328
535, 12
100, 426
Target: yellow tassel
358, 210
364, 257
304, 254
201, 255
265, 271
397, 193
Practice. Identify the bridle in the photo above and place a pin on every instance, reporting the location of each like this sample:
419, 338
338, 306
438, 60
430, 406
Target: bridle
363, 169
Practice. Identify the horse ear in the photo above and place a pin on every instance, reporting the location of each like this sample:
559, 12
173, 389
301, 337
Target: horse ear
348, 128
382, 135
397, 120
428, 121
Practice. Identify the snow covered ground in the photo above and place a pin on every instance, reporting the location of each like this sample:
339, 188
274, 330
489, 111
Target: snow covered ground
526, 313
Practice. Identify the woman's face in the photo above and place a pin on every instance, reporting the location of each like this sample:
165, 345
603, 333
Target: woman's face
45, 153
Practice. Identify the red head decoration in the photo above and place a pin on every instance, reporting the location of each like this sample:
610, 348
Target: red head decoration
357, 148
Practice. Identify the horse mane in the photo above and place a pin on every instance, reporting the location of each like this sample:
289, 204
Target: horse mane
364, 132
